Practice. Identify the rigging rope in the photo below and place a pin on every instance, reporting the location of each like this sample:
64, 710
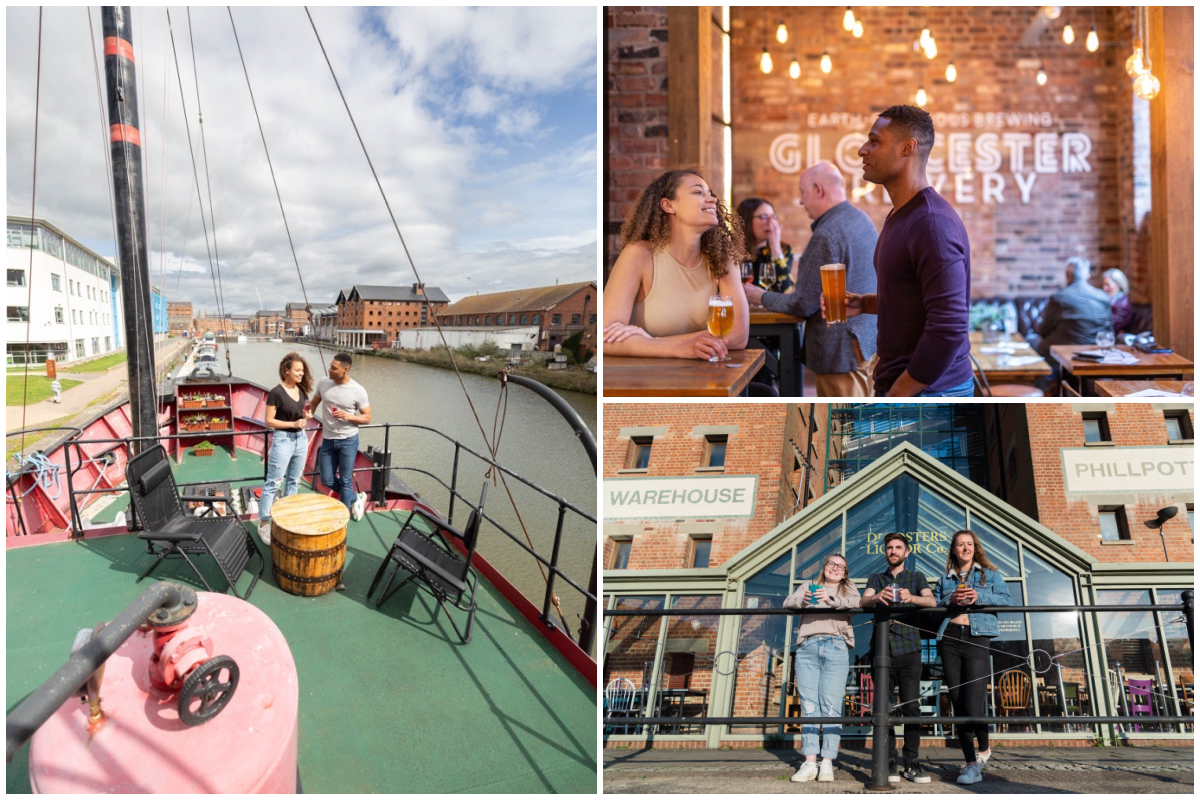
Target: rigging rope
432, 311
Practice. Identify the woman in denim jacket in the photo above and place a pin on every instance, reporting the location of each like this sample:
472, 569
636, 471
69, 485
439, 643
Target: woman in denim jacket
964, 638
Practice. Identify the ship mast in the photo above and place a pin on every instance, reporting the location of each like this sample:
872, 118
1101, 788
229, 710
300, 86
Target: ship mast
130, 203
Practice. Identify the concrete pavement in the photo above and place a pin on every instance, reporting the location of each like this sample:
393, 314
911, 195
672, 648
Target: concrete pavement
1018, 770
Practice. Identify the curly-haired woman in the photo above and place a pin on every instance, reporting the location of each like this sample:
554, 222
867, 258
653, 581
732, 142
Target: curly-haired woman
287, 414
679, 247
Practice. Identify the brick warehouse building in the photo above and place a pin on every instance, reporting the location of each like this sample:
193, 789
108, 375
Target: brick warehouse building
179, 315
734, 505
369, 315
557, 311
665, 80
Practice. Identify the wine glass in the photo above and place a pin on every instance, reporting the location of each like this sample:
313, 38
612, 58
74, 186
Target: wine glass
1188, 390
1105, 340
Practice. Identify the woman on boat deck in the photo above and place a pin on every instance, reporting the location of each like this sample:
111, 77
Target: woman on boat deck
963, 638
287, 414
823, 643
679, 247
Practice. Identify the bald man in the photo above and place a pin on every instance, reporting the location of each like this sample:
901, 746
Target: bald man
841, 234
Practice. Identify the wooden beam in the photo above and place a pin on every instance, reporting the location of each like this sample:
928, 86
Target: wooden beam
689, 80
1172, 220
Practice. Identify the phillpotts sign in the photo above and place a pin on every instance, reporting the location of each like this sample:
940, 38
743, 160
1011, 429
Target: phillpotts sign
1157, 470
679, 498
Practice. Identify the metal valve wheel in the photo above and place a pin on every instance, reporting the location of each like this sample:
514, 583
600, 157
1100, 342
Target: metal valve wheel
204, 693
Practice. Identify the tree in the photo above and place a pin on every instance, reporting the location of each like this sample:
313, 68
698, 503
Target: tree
576, 350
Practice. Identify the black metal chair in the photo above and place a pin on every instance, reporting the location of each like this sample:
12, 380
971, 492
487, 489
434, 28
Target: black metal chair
169, 530
434, 562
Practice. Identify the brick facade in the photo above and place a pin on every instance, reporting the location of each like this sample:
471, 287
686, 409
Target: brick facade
1017, 248
179, 315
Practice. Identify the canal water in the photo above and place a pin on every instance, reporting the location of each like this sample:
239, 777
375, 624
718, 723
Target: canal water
536, 443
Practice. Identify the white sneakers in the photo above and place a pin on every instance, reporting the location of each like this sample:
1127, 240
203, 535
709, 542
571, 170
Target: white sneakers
981, 758
359, 507
807, 771
970, 774
264, 531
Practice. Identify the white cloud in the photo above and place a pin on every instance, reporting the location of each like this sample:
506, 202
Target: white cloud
451, 189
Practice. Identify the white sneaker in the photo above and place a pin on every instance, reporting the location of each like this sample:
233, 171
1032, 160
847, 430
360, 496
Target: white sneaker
264, 531
825, 771
807, 771
982, 759
360, 506
970, 774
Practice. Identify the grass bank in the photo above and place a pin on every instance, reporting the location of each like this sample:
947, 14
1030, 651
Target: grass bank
570, 380
39, 389
102, 364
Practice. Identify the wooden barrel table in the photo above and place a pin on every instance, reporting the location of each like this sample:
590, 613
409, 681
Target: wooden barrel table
308, 543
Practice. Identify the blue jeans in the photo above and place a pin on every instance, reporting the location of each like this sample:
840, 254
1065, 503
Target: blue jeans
965, 389
336, 462
289, 449
821, 668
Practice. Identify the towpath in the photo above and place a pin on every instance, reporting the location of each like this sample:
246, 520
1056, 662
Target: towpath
78, 399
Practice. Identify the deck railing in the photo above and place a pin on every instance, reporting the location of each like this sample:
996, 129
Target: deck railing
881, 719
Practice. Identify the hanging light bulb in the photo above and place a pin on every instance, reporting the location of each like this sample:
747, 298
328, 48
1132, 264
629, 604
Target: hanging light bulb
921, 97
931, 49
858, 29
1068, 34
826, 63
1146, 86
1041, 76
951, 73
1134, 64
848, 19
1051, 12
781, 33
765, 63
925, 37
794, 69
1093, 41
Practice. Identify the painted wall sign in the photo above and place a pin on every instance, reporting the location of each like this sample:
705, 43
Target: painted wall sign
1170, 468
680, 498
977, 158
928, 542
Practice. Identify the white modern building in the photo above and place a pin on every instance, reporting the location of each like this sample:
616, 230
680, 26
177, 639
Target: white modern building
516, 338
60, 296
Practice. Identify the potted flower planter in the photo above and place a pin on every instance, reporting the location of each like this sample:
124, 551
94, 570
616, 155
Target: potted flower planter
203, 449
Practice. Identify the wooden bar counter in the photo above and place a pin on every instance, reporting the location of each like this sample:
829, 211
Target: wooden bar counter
628, 376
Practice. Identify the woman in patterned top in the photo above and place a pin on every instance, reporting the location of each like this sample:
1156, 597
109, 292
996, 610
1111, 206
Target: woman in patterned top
774, 264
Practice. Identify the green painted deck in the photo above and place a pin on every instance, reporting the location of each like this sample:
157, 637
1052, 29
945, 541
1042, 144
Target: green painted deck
390, 701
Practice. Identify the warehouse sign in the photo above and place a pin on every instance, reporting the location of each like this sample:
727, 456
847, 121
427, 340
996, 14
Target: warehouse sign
1157, 470
680, 498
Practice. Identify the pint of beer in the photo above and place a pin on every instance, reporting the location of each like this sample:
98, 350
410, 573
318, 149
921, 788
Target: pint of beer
833, 285
720, 318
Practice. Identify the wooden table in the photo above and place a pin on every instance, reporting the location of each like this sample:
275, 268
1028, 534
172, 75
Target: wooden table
1126, 388
629, 376
1168, 366
790, 333
1025, 374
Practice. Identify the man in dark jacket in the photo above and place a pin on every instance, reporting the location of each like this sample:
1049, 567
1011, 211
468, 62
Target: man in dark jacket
1075, 313
841, 234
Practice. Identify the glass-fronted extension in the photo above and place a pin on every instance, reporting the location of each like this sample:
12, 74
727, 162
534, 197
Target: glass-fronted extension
860, 433
1056, 664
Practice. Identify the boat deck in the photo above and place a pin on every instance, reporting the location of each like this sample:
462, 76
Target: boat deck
390, 701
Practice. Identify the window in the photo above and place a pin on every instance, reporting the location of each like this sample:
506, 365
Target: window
95, 345
1113, 524
621, 554
55, 282
58, 314
701, 550
714, 449
16, 277
556, 319
80, 352
18, 313
524, 319
107, 343
592, 319
1095, 427
639, 452
575, 319
537, 319
1179, 425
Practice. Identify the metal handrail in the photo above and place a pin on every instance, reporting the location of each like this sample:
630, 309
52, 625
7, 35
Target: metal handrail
881, 719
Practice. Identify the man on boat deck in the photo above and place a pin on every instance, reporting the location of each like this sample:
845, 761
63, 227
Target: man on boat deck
344, 406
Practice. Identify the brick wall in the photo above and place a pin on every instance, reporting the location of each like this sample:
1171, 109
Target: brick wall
583, 303
635, 80
1017, 249
1057, 425
759, 447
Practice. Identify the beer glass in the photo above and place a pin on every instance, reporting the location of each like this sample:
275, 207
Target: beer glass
833, 285
720, 319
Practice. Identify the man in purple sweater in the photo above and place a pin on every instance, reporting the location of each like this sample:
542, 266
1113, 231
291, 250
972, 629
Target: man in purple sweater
922, 267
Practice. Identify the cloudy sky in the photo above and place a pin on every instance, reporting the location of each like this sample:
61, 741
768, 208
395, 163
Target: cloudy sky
480, 122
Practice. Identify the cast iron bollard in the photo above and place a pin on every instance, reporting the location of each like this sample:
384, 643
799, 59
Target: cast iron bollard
882, 665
